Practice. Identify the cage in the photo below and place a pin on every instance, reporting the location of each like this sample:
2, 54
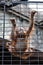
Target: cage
21, 32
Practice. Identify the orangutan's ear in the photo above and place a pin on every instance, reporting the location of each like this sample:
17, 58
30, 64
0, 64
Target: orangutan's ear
13, 22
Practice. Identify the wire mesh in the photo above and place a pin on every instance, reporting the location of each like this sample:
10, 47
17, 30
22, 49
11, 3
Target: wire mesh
36, 42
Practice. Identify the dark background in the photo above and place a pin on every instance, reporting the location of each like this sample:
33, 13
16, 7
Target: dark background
7, 59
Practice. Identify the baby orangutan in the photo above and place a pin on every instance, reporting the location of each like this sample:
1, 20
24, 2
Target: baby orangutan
19, 37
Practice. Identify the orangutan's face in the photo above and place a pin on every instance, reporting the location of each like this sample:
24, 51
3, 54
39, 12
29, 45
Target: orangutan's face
20, 32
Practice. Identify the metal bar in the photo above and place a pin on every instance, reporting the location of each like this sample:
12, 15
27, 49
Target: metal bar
27, 2
18, 14
14, 3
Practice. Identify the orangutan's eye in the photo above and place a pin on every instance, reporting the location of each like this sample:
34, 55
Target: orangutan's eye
21, 36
